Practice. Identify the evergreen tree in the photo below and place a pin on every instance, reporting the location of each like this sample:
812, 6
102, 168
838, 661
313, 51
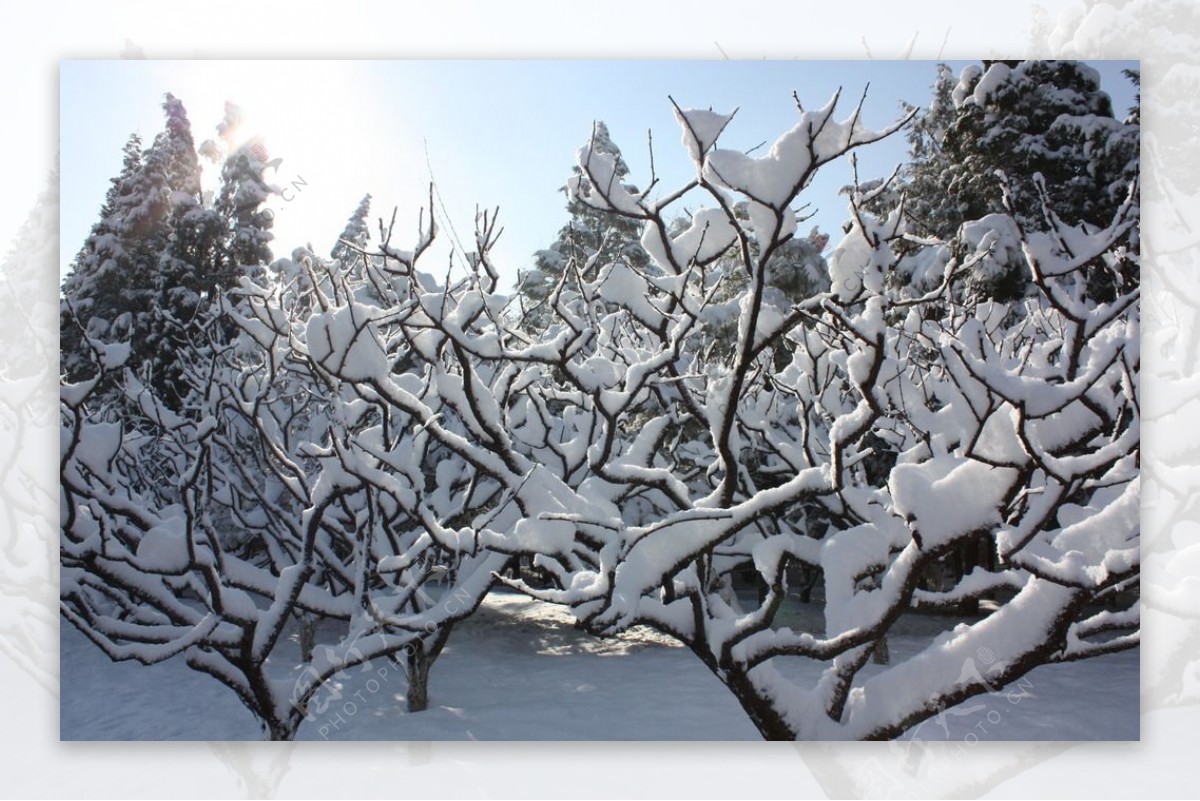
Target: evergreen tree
356, 233
1020, 119
92, 289
113, 290
191, 263
192, 269
1134, 117
240, 201
942, 188
589, 236
158, 256
177, 149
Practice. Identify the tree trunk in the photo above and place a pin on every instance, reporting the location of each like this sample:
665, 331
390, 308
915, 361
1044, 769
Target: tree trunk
281, 734
763, 715
308, 637
417, 663
880, 654
279, 730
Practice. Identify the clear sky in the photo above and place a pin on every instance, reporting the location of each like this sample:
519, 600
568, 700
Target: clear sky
490, 133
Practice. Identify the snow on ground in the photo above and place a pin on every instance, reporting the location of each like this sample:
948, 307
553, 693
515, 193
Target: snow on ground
518, 670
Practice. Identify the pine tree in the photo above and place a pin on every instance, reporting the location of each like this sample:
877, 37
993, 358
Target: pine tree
191, 263
589, 236
941, 190
192, 269
1048, 117
240, 201
92, 291
1134, 117
114, 287
157, 258
355, 234
1021, 119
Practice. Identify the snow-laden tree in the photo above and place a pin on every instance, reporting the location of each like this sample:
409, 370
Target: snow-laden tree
244, 191
355, 235
158, 254
95, 271
906, 421
589, 239
260, 511
1170, 188
193, 268
108, 295
1026, 118
114, 290
1023, 432
365, 429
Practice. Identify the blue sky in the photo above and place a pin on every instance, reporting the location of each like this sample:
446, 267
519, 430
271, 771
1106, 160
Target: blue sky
491, 133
